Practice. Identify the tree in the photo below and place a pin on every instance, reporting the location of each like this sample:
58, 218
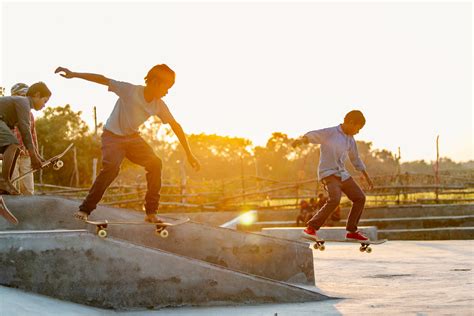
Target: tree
58, 127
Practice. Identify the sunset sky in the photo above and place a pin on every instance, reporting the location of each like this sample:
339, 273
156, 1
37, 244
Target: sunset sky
249, 69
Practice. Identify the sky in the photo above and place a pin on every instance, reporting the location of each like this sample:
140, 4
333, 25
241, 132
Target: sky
248, 69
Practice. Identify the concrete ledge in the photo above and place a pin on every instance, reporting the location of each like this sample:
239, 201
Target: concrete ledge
329, 233
428, 233
107, 273
419, 222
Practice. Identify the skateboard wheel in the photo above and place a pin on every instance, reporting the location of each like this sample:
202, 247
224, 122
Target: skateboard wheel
58, 165
164, 233
315, 246
362, 248
322, 248
102, 233
368, 250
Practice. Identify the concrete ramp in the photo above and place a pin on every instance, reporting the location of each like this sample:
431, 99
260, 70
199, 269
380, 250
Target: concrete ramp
80, 267
265, 256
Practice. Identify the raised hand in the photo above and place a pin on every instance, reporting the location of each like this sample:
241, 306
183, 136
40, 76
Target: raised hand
64, 72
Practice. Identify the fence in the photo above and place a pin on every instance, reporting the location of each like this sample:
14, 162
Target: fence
251, 192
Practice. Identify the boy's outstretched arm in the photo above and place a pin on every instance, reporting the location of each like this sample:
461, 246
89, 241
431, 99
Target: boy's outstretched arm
178, 130
300, 141
66, 73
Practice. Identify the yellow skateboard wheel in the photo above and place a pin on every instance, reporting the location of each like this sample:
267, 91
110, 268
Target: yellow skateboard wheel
164, 233
102, 233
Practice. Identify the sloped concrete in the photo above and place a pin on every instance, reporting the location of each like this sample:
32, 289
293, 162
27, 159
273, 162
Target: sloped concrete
80, 267
265, 256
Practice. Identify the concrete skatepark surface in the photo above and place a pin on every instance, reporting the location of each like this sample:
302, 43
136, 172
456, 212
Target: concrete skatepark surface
80, 267
247, 252
398, 278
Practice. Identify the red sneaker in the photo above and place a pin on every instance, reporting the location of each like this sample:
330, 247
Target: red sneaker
357, 236
310, 233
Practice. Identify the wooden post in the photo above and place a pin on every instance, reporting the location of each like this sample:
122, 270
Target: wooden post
437, 170
94, 169
95, 121
398, 174
76, 169
182, 172
242, 178
41, 170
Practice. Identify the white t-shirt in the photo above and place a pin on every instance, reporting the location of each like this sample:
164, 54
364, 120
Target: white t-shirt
132, 110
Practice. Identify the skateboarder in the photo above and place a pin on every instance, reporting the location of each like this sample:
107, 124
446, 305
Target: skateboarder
26, 185
15, 110
121, 139
337, 143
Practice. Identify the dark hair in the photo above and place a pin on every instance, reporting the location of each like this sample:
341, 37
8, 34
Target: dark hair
355, 116
161, 72
38, 87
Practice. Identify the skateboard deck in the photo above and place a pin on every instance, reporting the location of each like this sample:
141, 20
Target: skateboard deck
364, 245
102, 224
5, 212
55, 161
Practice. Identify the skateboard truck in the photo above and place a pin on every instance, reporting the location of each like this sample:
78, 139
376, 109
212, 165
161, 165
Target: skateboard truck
319, 245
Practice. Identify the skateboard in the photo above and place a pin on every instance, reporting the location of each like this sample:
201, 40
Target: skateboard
101, 225
5, 212
55, 161
364, 245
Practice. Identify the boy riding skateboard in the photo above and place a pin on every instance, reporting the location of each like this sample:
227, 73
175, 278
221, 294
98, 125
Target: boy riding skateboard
121, 138
337, 143
15, 111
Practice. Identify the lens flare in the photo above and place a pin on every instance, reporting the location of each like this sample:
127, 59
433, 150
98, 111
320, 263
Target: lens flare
248, 218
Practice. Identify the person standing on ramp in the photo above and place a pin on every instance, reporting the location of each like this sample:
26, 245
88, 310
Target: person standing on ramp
121, 138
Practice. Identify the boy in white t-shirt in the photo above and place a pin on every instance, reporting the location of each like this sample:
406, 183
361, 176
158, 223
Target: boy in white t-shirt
121, 139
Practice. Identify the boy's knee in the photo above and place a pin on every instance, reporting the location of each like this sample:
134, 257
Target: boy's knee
155, 164
110, 168
334, 202
359, 199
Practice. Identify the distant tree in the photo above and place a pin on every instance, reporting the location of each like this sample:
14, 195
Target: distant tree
58, 127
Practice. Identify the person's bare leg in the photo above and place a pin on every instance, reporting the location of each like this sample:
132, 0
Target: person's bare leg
9, 159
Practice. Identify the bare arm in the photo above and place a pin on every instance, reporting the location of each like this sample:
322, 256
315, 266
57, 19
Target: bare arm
178, 130
66, 73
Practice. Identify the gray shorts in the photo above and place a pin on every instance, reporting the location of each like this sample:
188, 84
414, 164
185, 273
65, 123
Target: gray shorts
6, 137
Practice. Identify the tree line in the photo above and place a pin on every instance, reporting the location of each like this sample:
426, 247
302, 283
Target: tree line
222, 158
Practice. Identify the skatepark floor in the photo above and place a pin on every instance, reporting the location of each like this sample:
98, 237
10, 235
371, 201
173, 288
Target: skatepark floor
397, 278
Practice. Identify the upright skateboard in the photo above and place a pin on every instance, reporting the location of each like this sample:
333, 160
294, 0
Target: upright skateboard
5, 212
55, 161
101, 225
